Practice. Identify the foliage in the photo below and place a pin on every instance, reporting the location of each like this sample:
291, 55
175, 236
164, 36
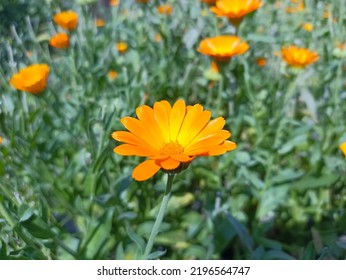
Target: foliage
64, 194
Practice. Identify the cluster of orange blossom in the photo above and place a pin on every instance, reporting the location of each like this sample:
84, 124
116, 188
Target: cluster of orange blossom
67, 20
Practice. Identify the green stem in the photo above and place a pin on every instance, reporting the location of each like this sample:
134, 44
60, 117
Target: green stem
160, 216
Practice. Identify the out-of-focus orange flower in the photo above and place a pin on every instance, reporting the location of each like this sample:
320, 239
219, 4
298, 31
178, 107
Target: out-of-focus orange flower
32, 79
29, 53
299, 7
121, 47
308, 26
261, 61
171, 137
1, 140
235, 10
59, 41
158, 38
223, 48
112, 74
209, 2
343, 148
164, 9
298, 57
114, 2
66, 20
100, 22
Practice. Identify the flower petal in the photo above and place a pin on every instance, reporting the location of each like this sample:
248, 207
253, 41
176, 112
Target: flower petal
177, 117
145, 170
169, 164
162, 112
131, 150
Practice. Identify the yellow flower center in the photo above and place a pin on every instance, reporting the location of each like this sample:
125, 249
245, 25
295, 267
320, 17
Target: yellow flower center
171, 148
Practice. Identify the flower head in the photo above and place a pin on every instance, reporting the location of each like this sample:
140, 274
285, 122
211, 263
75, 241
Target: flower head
298, 57
112, 75
59, 41
235, 10
114, 2
121, 47
66, 20
222, 48
165, 9
32, 79
308, 26
171, 137
99, 22
261, 61
343, 148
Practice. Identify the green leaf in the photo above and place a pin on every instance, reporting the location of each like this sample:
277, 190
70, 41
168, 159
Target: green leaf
241, 231
136, 238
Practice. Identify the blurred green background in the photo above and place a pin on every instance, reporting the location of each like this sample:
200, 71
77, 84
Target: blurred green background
64, 194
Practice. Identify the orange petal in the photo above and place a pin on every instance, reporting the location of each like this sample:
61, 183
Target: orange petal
131, 150
145, 170
162, 112
213, 126
229, 145
146, 115
170, 164
182, 158
194, 122
177, 118
138, 128
210, 140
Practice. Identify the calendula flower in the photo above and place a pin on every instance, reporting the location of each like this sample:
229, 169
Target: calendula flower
1, 140
235, 10
261, 61
223, 48
343, 148
32, 79
66, 20
29, 53
298, 57
308, 26
114, 2
158, 38
59, 41
164, 9
100, 22
121, 47
299, 7
112, 74
171, 137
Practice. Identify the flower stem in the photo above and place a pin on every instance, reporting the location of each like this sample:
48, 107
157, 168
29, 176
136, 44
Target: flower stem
160, 216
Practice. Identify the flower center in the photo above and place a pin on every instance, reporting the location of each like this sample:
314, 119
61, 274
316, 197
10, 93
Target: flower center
171, 148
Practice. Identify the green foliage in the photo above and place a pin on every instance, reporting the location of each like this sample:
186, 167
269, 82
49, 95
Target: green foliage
64, 194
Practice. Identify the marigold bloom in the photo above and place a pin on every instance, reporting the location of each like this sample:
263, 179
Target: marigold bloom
343, 148
235, 10
222, 48
32, 79
1, 140
298, 57
121, 47
100, 22
164, 9
171, 137
59, 41
261, 61
308, 26
158, 38
114, 2
66, 20
112, 74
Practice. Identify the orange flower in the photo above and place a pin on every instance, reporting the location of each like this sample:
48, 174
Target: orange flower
32, 79
222, 48
66, 20
235, 10
100, 22
121, 47
308, 26
112, 74
1, 140
59, 41
261, 61
298, 57
164, 9
114, 2
171, 137
295, 9
343, 148
158, 38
